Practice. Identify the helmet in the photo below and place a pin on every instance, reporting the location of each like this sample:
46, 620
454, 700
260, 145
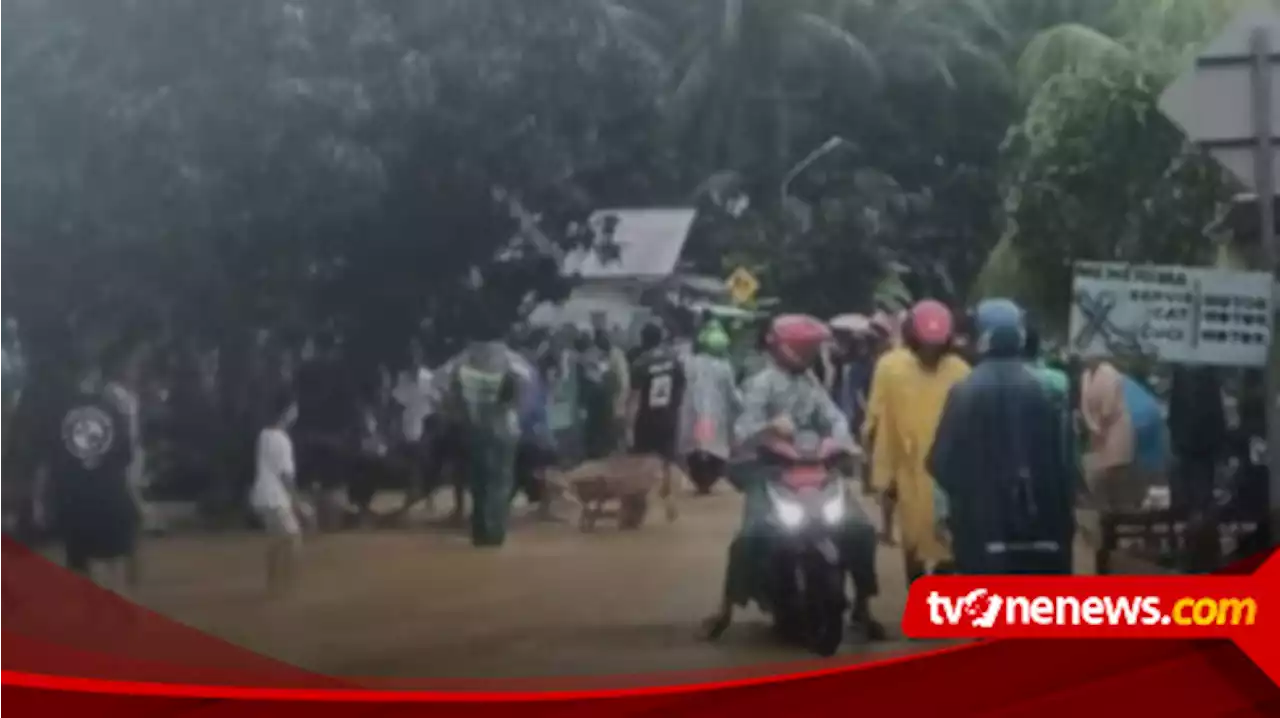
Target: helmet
1000, 327
796, 339
713, 339
883, 323
853, 323
930, 323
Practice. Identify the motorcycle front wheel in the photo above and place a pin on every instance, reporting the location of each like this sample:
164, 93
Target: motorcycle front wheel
824, 608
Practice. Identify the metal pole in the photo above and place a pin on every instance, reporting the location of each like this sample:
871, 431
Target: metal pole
828, 146
1264, 168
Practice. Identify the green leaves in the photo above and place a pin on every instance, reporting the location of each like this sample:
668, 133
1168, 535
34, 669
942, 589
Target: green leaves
1097, 173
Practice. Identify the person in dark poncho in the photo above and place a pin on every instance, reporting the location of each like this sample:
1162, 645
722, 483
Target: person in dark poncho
1198, 429
997, 455
1198, 434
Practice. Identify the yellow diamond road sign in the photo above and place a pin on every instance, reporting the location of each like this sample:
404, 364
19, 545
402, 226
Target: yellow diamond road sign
742, 285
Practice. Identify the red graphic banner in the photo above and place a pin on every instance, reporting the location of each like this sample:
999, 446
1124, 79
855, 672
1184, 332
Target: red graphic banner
72, 647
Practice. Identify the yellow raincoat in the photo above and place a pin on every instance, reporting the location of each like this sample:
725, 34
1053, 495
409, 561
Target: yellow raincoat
903, 412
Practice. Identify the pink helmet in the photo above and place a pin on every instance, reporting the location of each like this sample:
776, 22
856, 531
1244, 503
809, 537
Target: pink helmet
931, 323
796, 339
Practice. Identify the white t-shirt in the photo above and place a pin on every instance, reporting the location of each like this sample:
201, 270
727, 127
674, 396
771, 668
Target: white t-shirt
274, 463
416, 395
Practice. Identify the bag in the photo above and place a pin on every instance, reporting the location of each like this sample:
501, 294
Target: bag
1150, 436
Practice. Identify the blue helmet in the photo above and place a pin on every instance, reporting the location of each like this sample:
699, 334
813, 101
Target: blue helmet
1000, 328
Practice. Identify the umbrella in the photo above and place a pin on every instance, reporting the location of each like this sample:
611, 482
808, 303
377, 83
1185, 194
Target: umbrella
721, 311
854, 323
886, 322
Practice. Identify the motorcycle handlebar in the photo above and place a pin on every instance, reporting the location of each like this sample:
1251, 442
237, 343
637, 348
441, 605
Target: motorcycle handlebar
828, 452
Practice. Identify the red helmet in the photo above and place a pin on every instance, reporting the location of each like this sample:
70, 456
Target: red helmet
931, 323
796, 339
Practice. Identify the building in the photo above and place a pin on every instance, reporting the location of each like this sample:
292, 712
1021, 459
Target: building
632, 267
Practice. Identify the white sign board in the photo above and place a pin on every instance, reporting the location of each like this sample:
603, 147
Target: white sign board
1182, 315
1211, 101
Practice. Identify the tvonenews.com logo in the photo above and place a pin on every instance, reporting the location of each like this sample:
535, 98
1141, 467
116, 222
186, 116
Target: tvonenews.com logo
980, 608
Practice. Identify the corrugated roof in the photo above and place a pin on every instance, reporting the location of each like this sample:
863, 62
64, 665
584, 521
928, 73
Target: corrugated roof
649, 243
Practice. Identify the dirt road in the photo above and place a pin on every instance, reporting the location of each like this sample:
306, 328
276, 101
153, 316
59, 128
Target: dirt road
422, 602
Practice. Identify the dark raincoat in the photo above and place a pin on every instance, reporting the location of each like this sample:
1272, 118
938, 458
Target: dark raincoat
599, 387
998, 455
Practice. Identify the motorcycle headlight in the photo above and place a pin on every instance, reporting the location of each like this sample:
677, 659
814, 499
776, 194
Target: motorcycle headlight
833, 510
790, 514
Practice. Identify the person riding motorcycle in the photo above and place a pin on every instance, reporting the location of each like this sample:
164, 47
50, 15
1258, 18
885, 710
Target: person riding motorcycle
779, 401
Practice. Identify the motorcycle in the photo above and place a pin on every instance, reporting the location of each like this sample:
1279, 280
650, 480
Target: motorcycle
803, 585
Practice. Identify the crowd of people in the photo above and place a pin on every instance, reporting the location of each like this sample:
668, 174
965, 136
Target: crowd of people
969, 435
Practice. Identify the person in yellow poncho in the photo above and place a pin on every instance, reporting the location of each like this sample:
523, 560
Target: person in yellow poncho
908, 391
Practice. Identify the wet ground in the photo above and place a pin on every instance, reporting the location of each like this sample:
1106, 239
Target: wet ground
422, 602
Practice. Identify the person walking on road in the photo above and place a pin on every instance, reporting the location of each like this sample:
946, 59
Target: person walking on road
483, 394
1198, 433
653, 409
96, 507
998, 457
274, 496
413, 393
710, 407
908, 391
601, 377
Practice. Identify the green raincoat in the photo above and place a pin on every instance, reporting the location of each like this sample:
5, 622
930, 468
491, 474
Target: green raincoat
1056, 383
484, 393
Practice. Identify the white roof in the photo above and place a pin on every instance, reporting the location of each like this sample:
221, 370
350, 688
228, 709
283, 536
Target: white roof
649, 243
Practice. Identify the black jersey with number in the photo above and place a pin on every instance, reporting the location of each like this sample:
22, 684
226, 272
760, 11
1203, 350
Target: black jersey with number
658, 376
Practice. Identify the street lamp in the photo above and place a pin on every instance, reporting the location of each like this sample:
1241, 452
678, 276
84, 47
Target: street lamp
836, 142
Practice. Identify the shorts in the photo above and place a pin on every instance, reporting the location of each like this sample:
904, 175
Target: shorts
96, 526
279, 521
83, 546
658, 438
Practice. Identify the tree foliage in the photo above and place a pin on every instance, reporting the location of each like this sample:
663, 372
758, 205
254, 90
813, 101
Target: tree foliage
218, 166
1102, 175
199, 168
1094, 170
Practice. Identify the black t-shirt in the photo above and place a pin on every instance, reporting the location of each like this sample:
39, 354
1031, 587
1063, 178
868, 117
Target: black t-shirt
90, 449
658, 376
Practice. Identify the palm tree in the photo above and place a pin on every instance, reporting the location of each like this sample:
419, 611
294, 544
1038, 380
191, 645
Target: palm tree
1097, 35
745, 67
747, 71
